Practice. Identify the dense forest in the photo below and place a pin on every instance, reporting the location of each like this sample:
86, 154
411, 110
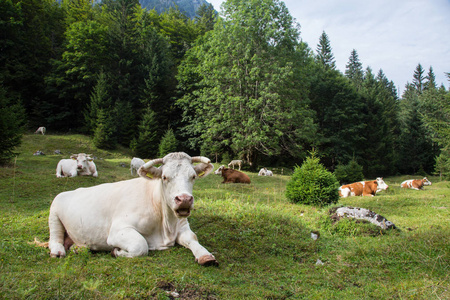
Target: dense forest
238, 85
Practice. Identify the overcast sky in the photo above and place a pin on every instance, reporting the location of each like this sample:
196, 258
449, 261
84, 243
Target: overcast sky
392, 35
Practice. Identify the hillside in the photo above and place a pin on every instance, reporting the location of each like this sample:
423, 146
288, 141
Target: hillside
262, 242
189, 7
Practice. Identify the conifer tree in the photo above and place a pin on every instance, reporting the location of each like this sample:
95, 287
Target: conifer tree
324, 52
12, 123
99, 99
354, 70
104, 131
168, 143
431, 80
206, 17
419, 79
416, 149
146, 142
125, 122
375, 147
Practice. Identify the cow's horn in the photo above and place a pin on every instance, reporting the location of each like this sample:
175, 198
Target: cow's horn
158, 161
201, 159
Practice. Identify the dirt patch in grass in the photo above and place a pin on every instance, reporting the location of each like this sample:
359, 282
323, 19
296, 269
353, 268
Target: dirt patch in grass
188, 292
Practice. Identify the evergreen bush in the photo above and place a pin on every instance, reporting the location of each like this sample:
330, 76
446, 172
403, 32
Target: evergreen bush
104, 131
146, 143
168, 143
312, 184
11, 126
351, 172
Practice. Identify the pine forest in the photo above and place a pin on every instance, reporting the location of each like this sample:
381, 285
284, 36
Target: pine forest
236, 85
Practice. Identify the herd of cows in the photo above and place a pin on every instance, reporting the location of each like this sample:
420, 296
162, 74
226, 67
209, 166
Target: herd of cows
131, 217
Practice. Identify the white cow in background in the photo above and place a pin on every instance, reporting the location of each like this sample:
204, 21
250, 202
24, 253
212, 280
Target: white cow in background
78, 165
41, 130
131, 217
135, 164
265, 172
235, 162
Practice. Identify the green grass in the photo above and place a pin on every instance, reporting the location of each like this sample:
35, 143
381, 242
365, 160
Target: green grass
261, 241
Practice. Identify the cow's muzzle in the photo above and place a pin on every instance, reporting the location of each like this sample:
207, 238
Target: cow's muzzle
183, 205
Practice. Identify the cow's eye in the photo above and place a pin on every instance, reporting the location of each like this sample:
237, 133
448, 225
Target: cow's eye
164, 177
194, 177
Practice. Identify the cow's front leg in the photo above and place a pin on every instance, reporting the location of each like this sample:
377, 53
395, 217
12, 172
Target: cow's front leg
127, 242
187, 238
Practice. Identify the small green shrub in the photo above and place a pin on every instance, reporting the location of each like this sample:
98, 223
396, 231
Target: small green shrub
168, 143
352, 172
312, 184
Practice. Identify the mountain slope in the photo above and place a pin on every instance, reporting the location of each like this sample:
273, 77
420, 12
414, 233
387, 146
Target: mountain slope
189, 7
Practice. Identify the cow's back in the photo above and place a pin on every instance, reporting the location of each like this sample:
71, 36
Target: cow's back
66, 167
413, 184
406, 183
354, 189
100, 206
233, 176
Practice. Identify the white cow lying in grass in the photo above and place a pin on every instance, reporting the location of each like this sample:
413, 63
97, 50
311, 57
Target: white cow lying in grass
135, 164
78, 165
265, 172
131, 217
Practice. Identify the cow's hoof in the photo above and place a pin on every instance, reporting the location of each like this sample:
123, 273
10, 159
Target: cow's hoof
114, 252
57, 255
208, 260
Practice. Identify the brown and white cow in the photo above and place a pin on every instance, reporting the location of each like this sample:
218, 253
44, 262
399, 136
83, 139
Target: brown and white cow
363, 188
416, 184
131, 217
78, 165
41, 130
232, 176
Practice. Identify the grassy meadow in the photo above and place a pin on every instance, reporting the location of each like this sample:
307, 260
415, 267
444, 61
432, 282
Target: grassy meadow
262, 242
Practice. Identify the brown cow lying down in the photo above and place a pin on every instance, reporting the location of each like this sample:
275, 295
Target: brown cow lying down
415, 184
363, 188
232, 176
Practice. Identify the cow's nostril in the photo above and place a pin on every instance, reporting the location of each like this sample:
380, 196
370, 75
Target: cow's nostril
186, 199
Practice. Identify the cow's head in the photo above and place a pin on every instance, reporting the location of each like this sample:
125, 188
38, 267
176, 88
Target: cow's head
82, 161
219, 170
177, 174
381, 185
426, 181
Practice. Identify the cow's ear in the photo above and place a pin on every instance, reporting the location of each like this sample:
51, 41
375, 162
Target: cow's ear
203, 169
150, 173
74, 156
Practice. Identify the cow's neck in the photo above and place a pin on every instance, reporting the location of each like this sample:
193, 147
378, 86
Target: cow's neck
169, 221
